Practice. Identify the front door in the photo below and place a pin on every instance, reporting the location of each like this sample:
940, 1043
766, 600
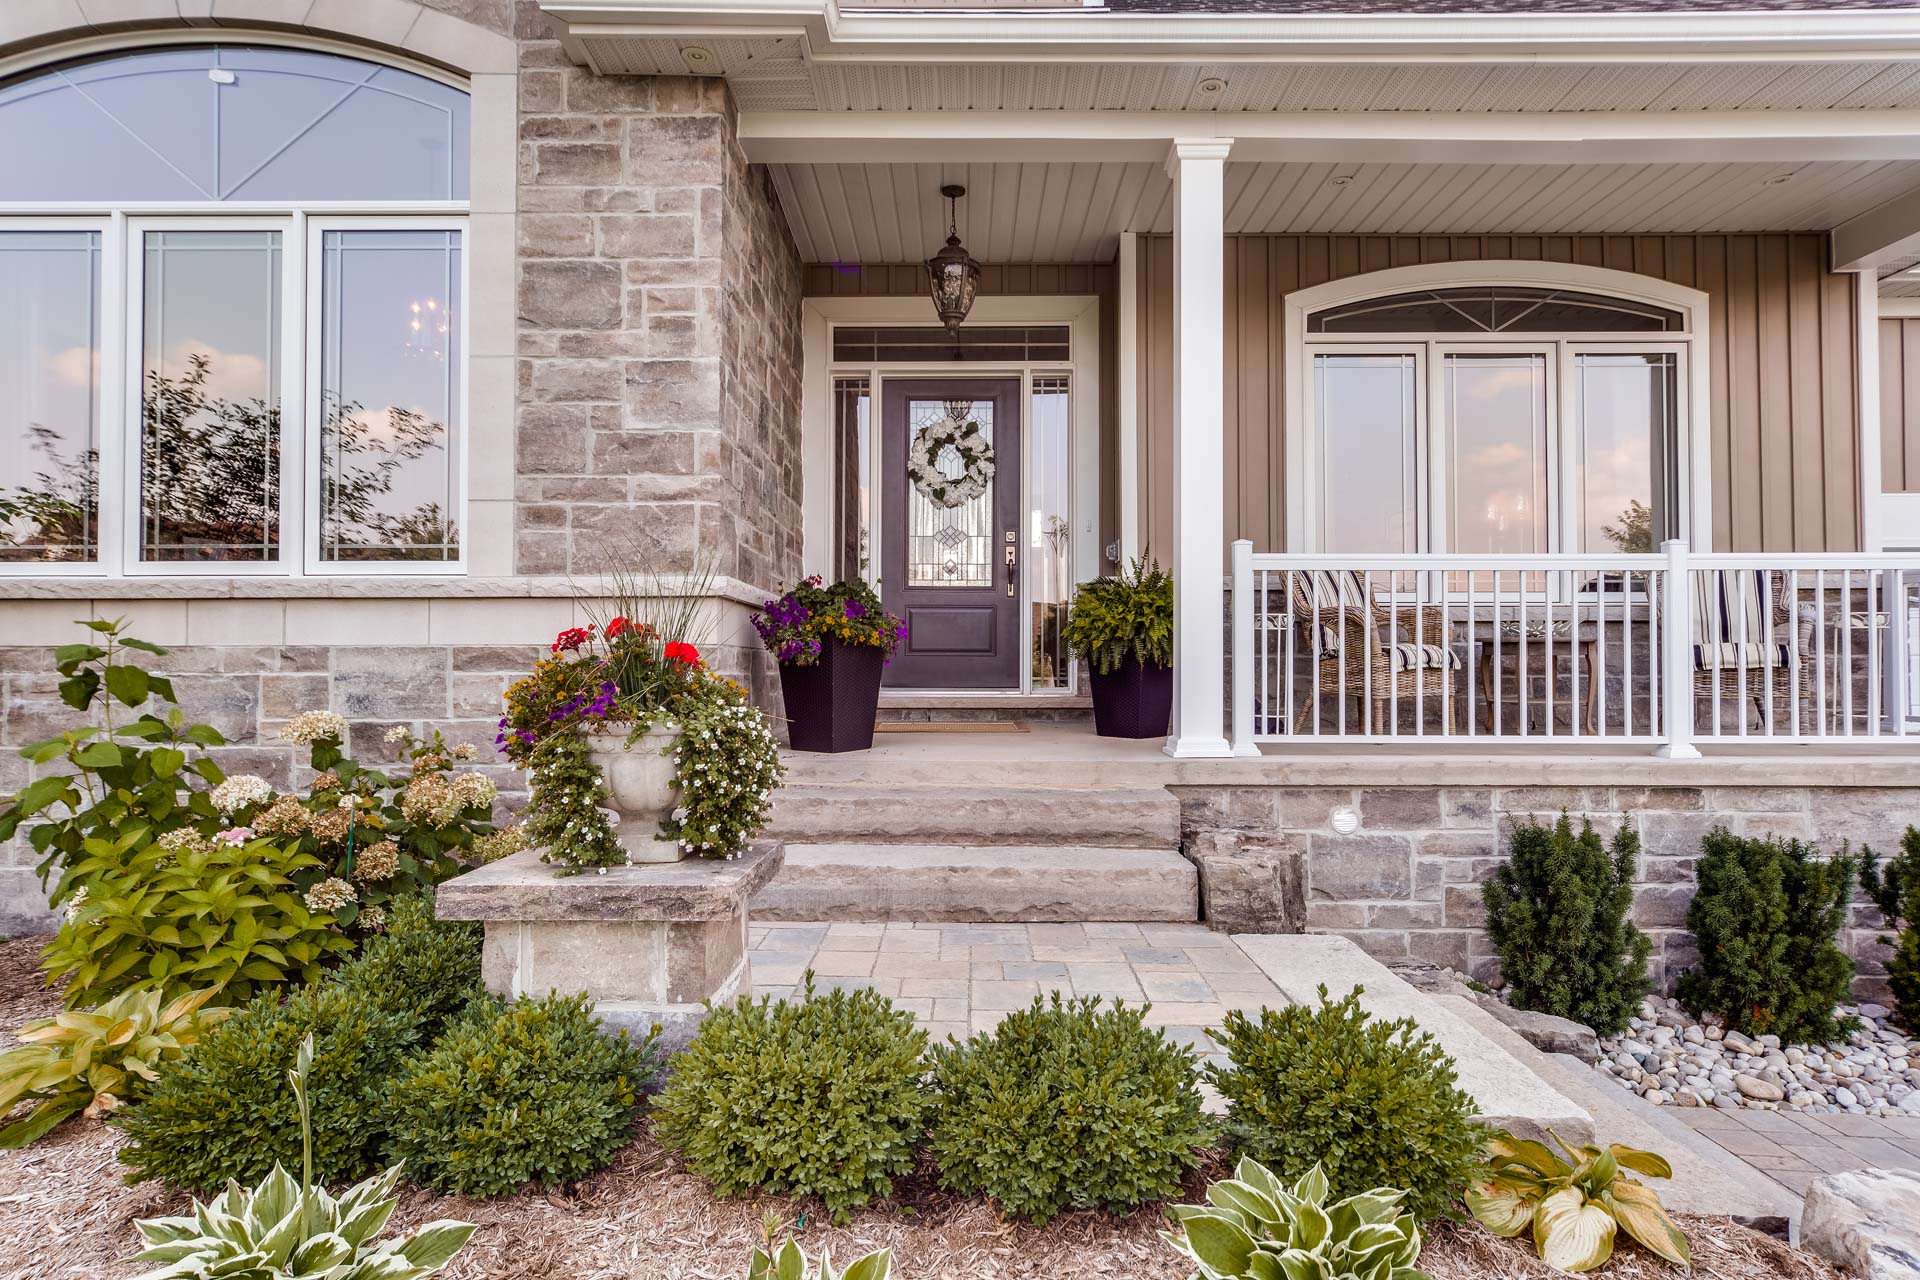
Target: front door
950, 520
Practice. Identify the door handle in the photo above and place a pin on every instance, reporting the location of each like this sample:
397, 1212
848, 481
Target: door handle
1012, 561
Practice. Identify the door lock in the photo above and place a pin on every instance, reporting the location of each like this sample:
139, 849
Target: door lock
1013, 560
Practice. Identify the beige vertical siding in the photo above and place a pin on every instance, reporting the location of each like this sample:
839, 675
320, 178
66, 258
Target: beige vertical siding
1781, 375
1011, 279
1900, 405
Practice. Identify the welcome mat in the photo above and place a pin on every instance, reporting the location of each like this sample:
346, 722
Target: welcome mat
951, 726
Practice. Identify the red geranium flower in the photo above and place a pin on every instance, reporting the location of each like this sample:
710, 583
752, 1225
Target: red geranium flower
681, 651
615, 627
570, 639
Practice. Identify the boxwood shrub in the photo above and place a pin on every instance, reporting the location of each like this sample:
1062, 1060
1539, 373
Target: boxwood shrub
420, 963
818, 1096
225, 1111
1067, 1105
1374, 1103
534, 1091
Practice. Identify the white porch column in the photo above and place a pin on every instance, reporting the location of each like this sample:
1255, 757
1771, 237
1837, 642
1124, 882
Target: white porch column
1198, 167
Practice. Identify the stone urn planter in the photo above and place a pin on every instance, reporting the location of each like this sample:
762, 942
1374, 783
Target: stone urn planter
1134, 700
641, 788
831, 703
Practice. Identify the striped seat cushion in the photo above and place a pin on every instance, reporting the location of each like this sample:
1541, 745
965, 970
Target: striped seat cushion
1402, 655
1733, 626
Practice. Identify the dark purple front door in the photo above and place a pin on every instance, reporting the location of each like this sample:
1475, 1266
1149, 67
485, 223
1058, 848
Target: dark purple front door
951, 568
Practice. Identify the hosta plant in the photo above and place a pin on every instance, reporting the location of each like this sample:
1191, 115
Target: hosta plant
1575, 1209
1255, 1226
287, 1230
95, 1060
789, 1262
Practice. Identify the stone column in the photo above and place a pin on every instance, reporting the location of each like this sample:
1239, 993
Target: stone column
1198, 169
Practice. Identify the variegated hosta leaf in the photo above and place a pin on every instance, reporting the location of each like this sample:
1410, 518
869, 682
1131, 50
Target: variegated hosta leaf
1499, 1209
1255, 1208
1641, 1161
1526, 1153
1219, 1243
1571, 1232
1257, 1176
1311, 1227
1312, 1186
1638, 1210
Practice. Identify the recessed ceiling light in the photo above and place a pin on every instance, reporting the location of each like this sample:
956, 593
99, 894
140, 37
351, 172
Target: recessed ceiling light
1779, 178
1212, 84
1340, 179
697, 57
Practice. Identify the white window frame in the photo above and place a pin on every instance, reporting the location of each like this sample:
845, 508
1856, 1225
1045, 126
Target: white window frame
313, 565
121, 309
1691, 446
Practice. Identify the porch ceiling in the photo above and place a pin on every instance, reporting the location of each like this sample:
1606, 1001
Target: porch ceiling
1075, 212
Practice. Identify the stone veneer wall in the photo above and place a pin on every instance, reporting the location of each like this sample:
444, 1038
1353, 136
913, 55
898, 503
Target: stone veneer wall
1406, 884
659, 369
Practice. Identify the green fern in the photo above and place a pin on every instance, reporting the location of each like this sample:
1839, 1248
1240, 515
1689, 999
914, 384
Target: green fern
1128, 616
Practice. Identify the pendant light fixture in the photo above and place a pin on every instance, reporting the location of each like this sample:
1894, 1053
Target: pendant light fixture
953, 277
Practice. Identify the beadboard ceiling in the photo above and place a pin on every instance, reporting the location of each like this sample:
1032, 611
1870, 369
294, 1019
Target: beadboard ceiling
1065, 212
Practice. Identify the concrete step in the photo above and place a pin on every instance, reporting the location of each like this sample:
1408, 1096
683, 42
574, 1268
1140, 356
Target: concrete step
943, 814
967, 883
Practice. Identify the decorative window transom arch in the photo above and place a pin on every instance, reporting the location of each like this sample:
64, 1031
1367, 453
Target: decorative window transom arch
1497, 408
235, 333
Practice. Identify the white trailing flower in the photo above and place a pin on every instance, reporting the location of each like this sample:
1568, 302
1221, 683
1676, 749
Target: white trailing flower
311, 726
239, 791
75, 903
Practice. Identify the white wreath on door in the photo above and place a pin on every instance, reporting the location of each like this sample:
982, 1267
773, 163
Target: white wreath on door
975, 452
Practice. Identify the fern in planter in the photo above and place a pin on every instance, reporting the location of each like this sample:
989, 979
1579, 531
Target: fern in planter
1128, 616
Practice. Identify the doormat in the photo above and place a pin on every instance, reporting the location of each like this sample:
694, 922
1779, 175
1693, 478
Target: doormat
951, 726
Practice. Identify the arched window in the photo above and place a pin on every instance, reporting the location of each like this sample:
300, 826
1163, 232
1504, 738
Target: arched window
235, 320
1492, 408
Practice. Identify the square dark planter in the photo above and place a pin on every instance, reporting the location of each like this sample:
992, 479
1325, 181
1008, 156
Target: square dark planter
1133, 701
831, 704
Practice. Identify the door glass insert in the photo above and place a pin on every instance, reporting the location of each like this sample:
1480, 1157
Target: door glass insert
947, 545
1049, 536
50, 412
1497, 469
210, 397
852, 445
1627, 405
1368, 435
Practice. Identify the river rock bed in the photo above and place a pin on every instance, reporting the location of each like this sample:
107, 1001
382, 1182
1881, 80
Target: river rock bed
1669, 1058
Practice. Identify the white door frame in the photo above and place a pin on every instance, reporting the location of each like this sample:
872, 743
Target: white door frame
1079, 312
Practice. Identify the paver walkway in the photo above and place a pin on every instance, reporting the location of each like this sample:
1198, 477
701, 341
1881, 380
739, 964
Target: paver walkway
961, 978
1794, 1148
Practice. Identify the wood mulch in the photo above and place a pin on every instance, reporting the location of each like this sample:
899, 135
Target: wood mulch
66, 1214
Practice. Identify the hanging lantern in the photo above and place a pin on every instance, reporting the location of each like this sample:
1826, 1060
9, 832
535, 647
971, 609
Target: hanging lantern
953, 277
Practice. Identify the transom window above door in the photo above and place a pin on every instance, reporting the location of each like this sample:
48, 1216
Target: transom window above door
1490, 419
234, 338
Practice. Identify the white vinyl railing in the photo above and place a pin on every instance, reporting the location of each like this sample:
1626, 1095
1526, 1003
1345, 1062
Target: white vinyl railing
1668, 650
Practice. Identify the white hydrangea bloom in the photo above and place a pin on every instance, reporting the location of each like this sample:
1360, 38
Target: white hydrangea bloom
239, 791
311, 726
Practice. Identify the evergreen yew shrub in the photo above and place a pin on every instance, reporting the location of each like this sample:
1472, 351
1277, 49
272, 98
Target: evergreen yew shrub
1067, 1106
1374, 1103
1766, 915
533, 1091
1897, 894
820, 1096
1559, 911
225, 1111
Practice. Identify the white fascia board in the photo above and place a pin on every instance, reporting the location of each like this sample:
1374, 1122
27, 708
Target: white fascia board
831, 34
1879, 236
1587, 137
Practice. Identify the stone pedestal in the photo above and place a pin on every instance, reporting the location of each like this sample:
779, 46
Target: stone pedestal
648, 943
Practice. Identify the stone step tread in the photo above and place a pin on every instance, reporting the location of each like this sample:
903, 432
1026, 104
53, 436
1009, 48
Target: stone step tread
980, 883
942, 814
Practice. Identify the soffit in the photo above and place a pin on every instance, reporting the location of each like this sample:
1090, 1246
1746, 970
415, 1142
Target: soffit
772, 73
1067, 212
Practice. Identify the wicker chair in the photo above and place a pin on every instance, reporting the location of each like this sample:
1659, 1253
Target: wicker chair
1381, 663
1744, 626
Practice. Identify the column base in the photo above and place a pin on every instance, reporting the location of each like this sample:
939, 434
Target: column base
1198, 748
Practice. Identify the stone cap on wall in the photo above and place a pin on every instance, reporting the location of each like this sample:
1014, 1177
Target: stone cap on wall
361, 587
523, 888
